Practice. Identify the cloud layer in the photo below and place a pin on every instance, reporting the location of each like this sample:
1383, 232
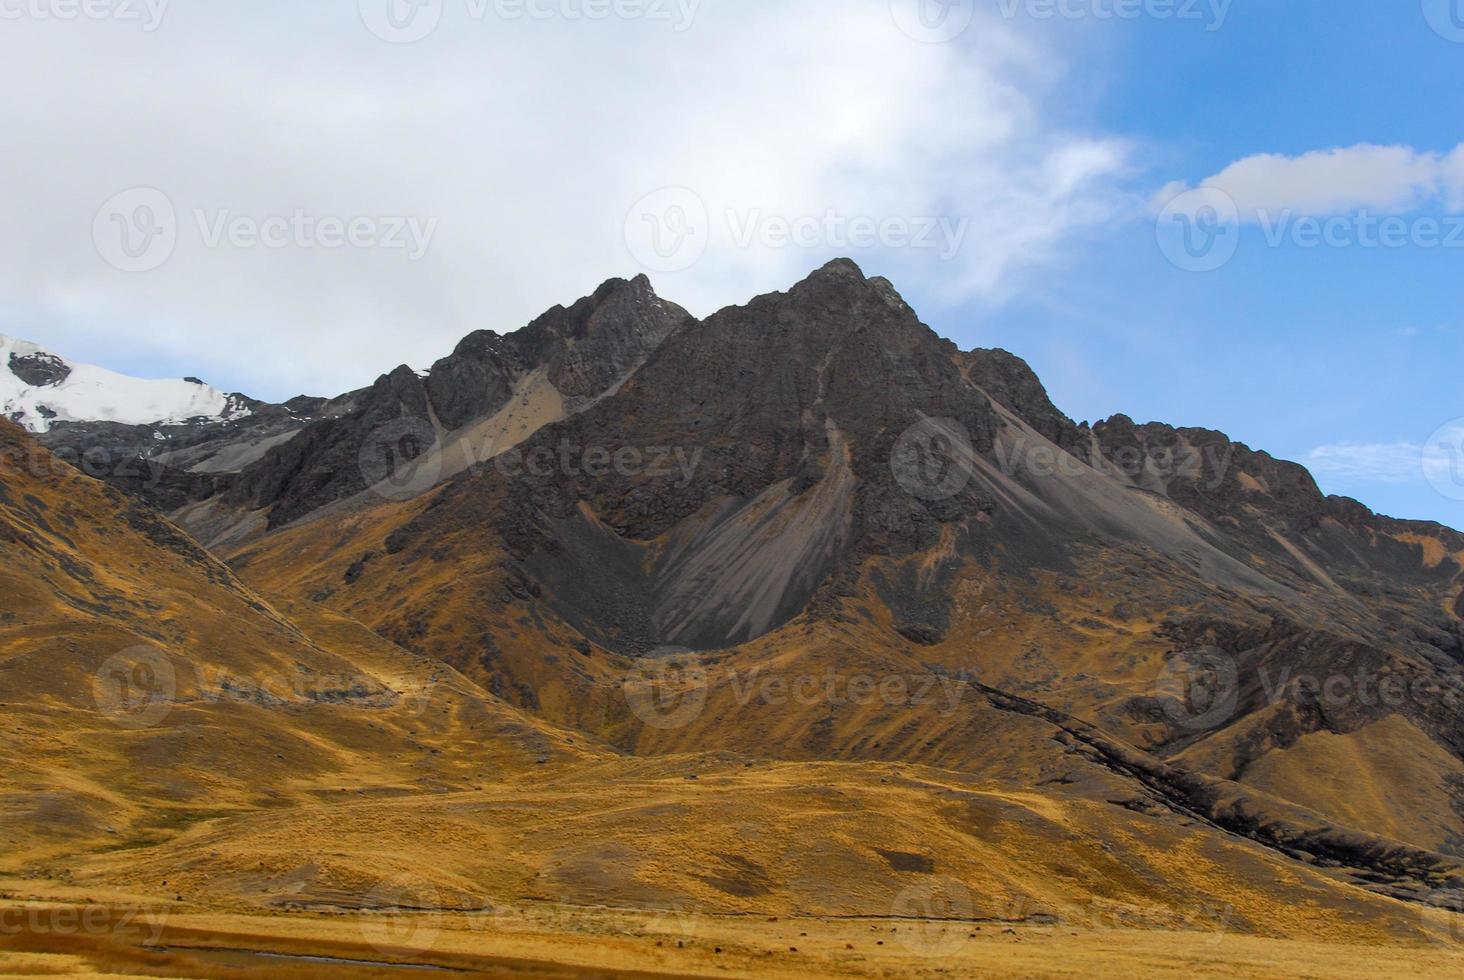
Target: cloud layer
527, 141
1323, 183
1390, 462
1437, 461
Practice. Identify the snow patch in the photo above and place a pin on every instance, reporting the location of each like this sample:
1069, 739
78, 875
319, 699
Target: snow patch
93, 394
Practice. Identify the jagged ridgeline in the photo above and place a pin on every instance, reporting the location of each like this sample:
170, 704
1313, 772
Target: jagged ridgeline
1149, 633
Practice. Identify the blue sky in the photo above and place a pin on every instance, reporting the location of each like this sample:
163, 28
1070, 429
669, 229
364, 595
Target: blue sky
541, 152
1286, 348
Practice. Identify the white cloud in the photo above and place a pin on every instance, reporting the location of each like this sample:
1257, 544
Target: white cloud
1391, 462
528, 141
1382, 179
1452, 171
1439, 460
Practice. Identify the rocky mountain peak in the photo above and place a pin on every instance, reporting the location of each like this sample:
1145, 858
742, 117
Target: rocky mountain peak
586, 349
1008, 379
567, 359
842, 268
38, 368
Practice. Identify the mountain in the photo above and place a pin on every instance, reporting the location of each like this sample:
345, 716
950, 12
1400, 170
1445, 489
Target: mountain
177, 734
257, 466
478, 401
166, 442
140, 677
791, 611
1085, 567
40, 390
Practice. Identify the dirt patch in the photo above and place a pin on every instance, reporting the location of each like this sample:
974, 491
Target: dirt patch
740, 877
905, 861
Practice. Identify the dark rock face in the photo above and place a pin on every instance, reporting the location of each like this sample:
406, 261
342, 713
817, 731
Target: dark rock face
170, 466
715, 479
782, 416
586, 350
1008, 379
39, 370
1283, 662
759, 390
323, 462
474, 381
1208, 473
791, 410
1257, 502
294, 458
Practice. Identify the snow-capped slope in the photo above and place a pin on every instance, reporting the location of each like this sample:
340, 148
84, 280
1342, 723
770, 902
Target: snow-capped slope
38, 389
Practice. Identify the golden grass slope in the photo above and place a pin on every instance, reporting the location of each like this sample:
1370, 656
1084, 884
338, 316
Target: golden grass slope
571, 943
144, 688
301, 761
805, 839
